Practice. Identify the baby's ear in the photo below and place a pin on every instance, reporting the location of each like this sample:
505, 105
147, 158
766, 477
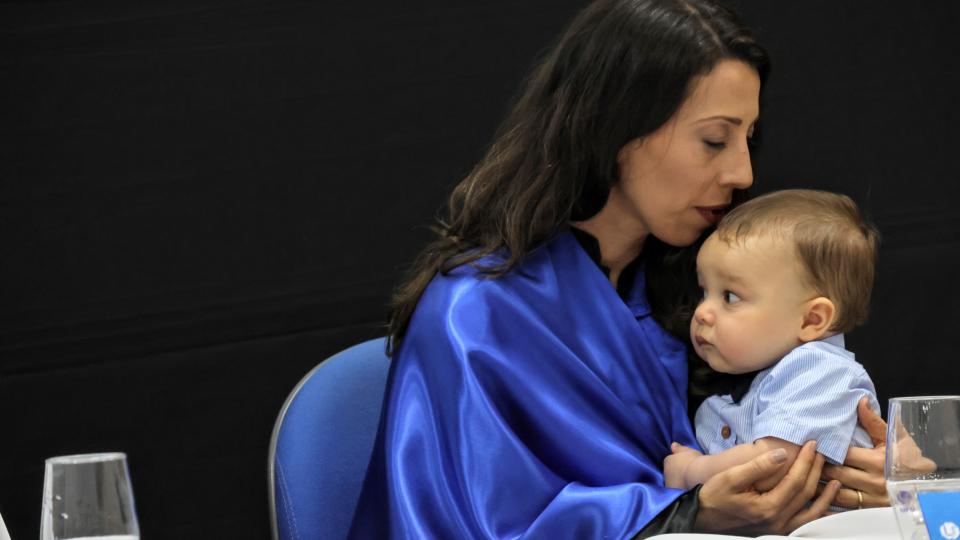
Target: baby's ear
818, 317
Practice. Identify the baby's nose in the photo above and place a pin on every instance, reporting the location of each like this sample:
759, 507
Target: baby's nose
702, 315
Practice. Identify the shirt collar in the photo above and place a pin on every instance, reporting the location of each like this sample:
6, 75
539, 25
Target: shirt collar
738, 386
836, 339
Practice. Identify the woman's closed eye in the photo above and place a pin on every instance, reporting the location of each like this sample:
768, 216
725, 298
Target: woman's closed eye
715, 145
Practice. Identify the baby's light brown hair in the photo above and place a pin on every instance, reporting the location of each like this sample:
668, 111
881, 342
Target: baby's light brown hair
835, 246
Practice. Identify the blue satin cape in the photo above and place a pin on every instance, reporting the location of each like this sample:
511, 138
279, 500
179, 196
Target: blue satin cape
536, 405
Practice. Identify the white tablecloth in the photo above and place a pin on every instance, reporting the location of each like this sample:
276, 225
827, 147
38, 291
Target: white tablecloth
4, 535
867, 524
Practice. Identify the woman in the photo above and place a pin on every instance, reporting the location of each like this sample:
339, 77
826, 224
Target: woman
534, 390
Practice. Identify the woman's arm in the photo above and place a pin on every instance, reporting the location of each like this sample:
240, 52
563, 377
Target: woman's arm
862, 470
731, 502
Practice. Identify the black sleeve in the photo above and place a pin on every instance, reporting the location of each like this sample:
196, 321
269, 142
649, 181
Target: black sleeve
679, 517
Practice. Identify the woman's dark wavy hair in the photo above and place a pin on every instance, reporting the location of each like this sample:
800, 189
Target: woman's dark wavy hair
619, 72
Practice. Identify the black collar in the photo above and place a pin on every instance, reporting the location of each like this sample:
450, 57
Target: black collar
591, 246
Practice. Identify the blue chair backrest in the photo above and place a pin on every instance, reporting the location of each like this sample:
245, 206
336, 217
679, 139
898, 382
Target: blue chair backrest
322, 441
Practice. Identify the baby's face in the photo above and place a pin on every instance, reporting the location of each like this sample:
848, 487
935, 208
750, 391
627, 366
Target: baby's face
753, 303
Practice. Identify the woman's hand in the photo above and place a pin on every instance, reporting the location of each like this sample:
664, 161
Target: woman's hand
862, 471
730, 502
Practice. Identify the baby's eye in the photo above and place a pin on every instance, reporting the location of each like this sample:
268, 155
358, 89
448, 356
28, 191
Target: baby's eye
730, 298
701, 294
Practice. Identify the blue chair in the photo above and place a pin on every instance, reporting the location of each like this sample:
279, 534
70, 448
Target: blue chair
322, 441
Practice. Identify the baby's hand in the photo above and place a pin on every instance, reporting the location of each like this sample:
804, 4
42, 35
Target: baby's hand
675, 465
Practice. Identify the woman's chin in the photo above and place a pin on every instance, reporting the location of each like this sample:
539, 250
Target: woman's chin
680, 238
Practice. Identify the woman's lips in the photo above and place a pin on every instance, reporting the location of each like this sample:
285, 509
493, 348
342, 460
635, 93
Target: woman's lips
712, 214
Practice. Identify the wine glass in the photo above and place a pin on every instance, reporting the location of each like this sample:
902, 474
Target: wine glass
923, 457
88, 496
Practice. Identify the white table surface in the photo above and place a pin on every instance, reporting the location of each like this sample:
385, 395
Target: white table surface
867, 524
4, 535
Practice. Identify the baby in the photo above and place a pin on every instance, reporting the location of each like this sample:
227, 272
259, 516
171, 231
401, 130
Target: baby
783, 277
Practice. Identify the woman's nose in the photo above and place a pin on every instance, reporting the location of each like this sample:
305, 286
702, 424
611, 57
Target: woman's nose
738, 172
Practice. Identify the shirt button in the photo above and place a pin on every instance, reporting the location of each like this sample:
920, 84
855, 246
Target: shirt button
725, 432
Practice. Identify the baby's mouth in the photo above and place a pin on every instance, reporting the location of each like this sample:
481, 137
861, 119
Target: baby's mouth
699, 341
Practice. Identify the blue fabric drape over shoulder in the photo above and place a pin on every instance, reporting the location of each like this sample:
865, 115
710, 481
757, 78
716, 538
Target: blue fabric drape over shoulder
537, 405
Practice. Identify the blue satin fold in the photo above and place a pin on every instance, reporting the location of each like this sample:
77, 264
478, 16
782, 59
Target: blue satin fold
535, 405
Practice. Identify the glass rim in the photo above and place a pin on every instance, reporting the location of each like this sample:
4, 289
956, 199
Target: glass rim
77, 459
924, 398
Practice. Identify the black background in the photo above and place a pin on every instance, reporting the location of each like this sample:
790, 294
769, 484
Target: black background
201, 200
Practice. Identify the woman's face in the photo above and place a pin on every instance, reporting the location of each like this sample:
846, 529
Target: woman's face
678, 180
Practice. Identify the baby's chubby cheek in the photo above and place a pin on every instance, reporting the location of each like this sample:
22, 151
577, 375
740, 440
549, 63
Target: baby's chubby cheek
721, 354
708, 354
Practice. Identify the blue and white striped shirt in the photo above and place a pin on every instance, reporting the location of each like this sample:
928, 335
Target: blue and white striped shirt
810, 394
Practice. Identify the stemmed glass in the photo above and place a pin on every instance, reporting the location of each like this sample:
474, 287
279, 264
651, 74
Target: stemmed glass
923, 457
88, 496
